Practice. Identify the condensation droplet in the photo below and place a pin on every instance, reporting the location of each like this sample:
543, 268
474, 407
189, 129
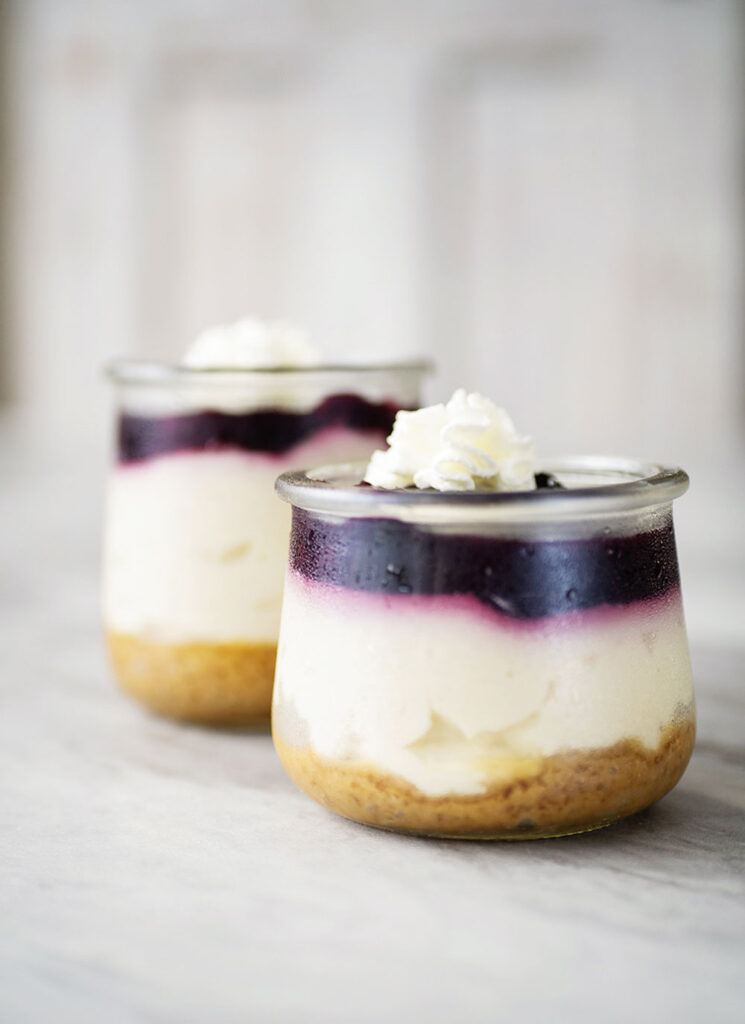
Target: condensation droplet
503, 604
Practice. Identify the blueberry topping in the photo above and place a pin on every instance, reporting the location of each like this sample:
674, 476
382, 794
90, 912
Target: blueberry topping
271, 431
548, 482
518, 579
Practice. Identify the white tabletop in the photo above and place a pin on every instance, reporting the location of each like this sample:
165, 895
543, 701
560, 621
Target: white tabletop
153, 872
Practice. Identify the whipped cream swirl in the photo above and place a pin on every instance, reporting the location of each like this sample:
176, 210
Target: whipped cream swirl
251, 344
468, 444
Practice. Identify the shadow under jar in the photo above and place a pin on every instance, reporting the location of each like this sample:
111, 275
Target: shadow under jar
195, 539
485, 665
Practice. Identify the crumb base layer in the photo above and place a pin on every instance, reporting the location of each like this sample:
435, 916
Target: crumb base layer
227, 684
574, 791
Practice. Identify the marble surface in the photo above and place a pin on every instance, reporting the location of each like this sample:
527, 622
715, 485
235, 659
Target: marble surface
152, 872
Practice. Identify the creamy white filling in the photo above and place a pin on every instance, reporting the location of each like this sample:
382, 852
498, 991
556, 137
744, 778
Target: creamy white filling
447, 696
468, 444
196, 543
251, 343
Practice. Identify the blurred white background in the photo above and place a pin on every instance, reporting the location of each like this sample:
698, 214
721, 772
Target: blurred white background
546, 197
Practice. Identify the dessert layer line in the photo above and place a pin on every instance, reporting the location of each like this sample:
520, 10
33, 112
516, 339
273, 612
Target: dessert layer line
518, 579
272, 431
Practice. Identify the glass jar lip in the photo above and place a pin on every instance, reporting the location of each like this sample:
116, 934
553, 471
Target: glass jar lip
152, 372
335, 489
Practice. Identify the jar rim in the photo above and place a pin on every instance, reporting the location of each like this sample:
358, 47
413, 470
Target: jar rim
335, 489
152, 372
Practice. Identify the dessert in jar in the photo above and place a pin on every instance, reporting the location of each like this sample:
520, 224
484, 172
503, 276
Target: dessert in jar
476, 645
196, 540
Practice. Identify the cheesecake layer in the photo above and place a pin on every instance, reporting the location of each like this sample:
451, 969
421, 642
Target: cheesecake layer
567, 792
455, 697
218, 684
196, 542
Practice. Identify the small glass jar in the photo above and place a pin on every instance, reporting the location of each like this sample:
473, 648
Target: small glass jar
485, 665
196, 541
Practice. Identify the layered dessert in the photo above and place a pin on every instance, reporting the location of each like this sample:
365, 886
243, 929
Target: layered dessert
196, 541
477, 645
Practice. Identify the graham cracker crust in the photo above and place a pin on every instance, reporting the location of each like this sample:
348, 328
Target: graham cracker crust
215, 684
575, 791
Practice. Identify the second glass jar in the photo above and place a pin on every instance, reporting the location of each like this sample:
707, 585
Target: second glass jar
196, 540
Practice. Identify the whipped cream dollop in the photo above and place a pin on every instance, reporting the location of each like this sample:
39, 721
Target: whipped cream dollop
468, 443
251, 344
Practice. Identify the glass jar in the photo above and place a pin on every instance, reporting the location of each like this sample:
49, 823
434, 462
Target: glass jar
195, 538
485, 665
